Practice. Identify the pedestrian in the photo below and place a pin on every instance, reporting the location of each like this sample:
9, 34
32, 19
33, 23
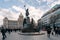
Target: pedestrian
59, 30
52, 31
9, 31
56, 31
48, 31
3, 31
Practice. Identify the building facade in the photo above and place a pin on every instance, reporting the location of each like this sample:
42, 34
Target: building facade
13, 24
45, 19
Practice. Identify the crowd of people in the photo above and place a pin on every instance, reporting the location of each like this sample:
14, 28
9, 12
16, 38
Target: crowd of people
53, 31
57, 31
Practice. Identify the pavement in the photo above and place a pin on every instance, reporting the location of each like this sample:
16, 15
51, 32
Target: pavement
32, 33
16, 36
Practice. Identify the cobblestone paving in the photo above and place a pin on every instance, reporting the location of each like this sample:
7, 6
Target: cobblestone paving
16, 36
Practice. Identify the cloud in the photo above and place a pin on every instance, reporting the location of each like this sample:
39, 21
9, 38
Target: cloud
34, 12
19, 9
38, 1
54, 3
7, 0
22, 1
8, 13
47, 2
1, 19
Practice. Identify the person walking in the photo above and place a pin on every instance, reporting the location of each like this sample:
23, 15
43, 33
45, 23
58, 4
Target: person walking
52, 31
48, 31
56, 31
3, 31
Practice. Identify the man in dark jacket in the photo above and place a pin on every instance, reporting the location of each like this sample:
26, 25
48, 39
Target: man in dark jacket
48, 31
3, 31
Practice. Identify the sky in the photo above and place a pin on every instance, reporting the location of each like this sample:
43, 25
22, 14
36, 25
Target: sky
12, 8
